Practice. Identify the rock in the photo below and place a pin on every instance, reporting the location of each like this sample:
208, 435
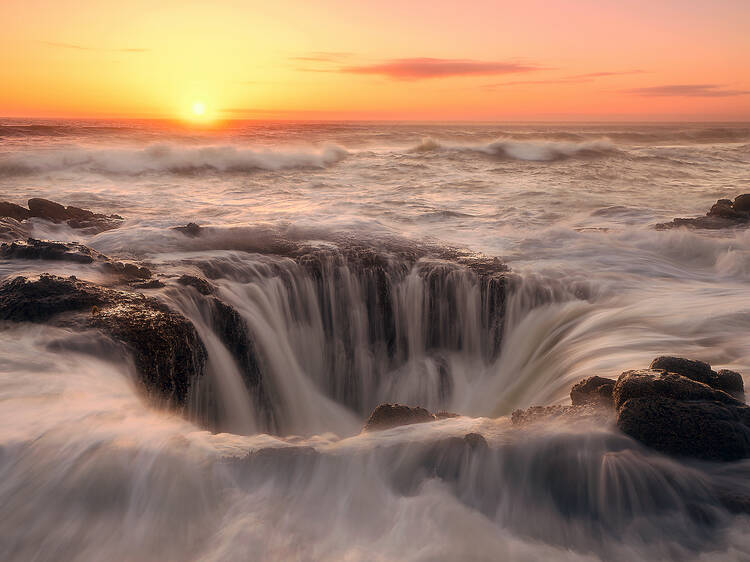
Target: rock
680, 416
742, 203
701, 429
34, 249
13, 211
127, 269
198, 283
723, 214
595, 411
476, 441
46, 209
387, 416
190, 229
729, 382
152, 284
595, 389
167, 351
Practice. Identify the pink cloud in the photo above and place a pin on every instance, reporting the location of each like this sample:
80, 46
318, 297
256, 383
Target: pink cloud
421, 68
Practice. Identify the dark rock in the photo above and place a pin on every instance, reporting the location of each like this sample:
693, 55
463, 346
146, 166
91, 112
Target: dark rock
702, 429
165, 346
387, 416
729, 382
694, 370
34, 249
723, 214
442, 415
476, 441
742, 203
198, 283
190, 229
591, 411
152, 284
680, 416
592, 390
48, 210
13, 211
648, 382
127, 269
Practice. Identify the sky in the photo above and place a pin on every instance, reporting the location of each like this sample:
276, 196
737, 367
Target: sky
441, 60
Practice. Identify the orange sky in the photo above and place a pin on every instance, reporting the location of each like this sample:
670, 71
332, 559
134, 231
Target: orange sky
384, 59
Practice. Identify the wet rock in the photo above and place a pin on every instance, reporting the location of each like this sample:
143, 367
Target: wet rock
680, 416
595, 389
152, 284
190, 229
48, 210
728, 381
198, 283
75, 217
165, 346
723, 214
33, 249
590, 411
13, 211
387, 416
127, 269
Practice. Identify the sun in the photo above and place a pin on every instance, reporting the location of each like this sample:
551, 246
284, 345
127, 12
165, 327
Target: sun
199, 109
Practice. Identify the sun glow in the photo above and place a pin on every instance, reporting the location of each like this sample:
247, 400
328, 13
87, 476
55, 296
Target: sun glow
199, 109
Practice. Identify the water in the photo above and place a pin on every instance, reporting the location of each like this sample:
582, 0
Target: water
89, 470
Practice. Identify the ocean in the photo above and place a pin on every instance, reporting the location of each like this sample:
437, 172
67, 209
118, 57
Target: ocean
90, 469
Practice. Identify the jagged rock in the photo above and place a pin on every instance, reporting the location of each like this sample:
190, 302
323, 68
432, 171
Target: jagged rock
190, 229
152, 284
167, 351
13, 211
728, 381
592, 411
592, 390
127, 269
48, 210
680, 416
198, 283
387, 416
723, 214
34, 249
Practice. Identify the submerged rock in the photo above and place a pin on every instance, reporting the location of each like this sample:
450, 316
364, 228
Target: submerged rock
387, 416
190, 229
167, 351
723, 214
198, 283
75, 217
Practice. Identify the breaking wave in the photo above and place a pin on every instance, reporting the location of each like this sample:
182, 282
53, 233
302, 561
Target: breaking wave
535, 151
169, 158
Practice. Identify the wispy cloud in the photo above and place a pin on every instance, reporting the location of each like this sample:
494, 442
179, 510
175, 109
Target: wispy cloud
688, 91
322, 56
87, 48
574, 79
422, 68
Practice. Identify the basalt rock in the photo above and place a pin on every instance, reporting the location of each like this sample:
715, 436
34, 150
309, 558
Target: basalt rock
198, 283
680, 416
33, 249
166, 349
190, 229
728, 381
723, 214
75, 217
387, 416
597, 390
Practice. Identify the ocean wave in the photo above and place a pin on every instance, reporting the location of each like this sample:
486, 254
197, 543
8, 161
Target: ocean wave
169, 158
534, 151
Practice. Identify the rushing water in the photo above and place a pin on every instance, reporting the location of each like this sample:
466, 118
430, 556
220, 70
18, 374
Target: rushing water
91, 471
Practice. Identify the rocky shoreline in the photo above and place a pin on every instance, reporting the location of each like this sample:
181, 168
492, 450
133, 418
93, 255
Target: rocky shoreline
725, 213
